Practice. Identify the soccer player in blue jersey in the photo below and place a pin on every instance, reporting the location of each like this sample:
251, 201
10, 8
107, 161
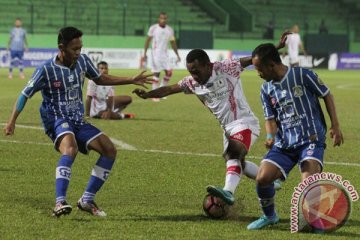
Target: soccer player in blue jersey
294, 123
60, 81
17, 45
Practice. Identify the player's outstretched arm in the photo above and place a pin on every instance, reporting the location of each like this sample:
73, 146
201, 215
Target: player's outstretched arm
18, 107
141, 79
159, 92
335, 132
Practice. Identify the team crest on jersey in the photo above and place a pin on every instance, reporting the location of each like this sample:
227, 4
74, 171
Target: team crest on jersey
71, 78
283, 94
57, 84
298, 92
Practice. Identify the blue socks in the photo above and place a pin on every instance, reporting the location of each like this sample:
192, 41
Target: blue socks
99, 175
266, 198
63, 175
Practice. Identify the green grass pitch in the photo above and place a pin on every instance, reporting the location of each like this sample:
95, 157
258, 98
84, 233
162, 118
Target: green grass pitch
156, 191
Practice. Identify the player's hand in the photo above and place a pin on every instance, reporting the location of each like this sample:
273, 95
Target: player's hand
9, 129
140, 92
269, 143
282, 40
336, 135
106, 115
141, 79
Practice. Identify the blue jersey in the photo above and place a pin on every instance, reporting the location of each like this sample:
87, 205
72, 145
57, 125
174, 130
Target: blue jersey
61, 89
17, 39
294, 104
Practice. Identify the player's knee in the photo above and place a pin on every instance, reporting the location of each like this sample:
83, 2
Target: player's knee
263, 180
128, 100
236, 151
71, 151
110, 151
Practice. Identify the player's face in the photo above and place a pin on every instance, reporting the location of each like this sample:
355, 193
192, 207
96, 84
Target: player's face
162, 20
18, 23
71, 52
266, 72
103, 68
200, 72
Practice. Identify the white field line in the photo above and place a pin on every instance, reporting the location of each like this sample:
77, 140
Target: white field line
124, 146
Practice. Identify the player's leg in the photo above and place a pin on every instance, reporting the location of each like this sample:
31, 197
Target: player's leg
65, 143
275, 165
166, 78
13, 59
120, 103
90, 138
236, 147
21, 64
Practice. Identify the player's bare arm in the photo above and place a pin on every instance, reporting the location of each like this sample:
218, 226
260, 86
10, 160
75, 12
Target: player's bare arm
19, 105
335, 132
271, 129
174, 47
147, 43
141, 79
159, 92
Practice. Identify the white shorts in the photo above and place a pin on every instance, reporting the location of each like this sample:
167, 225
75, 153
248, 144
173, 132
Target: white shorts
160, 63
293, 59
244, 133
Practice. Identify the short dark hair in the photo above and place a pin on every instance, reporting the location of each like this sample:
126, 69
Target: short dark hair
162, 13
102, 63
267, 52
67, 34
197, 54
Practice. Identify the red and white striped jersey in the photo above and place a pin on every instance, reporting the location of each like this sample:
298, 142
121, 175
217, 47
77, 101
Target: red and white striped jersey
223, 93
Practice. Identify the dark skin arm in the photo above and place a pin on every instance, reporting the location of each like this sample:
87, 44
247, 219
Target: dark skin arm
247, 61
141, 79
335, 132
159, 92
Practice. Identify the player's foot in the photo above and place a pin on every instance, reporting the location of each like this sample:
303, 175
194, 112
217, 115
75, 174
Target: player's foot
263, 221
226, 196
10, 76
155, 99
129, 115
277, 184
62, 208
91, 208
22, 75
164, 98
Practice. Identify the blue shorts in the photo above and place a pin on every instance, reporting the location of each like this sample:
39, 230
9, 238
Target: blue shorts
286, 159
16, 54
84, 134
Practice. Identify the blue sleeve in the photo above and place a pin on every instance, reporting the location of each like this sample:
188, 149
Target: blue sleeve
36, 82
314, 84
266, 103
91, 70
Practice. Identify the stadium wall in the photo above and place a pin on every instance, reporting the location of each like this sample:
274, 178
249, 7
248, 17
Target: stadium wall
93, 41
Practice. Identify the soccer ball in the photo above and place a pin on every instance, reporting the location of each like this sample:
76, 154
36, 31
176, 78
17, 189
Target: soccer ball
214, 207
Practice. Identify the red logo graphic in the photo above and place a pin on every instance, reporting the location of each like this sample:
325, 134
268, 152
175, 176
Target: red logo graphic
326, 206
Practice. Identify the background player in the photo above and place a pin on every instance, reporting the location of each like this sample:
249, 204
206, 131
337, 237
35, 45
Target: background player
294, 123
17, 45
60, 81
101, 101
161, 34
217, 85
293, 44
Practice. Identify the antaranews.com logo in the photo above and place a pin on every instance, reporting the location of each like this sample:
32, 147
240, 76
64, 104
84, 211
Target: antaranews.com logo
321, 203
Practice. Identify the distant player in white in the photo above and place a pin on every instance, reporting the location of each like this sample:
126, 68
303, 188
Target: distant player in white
161, 34
218, 87
293, 44
101, 101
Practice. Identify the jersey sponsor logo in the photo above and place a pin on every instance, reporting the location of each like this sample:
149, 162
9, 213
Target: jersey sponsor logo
283, 94
298, 92
57, 84
71, 78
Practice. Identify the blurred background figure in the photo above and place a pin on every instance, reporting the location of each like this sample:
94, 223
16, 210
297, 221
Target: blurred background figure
323, 28
269, 30
293, 44
17, 45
